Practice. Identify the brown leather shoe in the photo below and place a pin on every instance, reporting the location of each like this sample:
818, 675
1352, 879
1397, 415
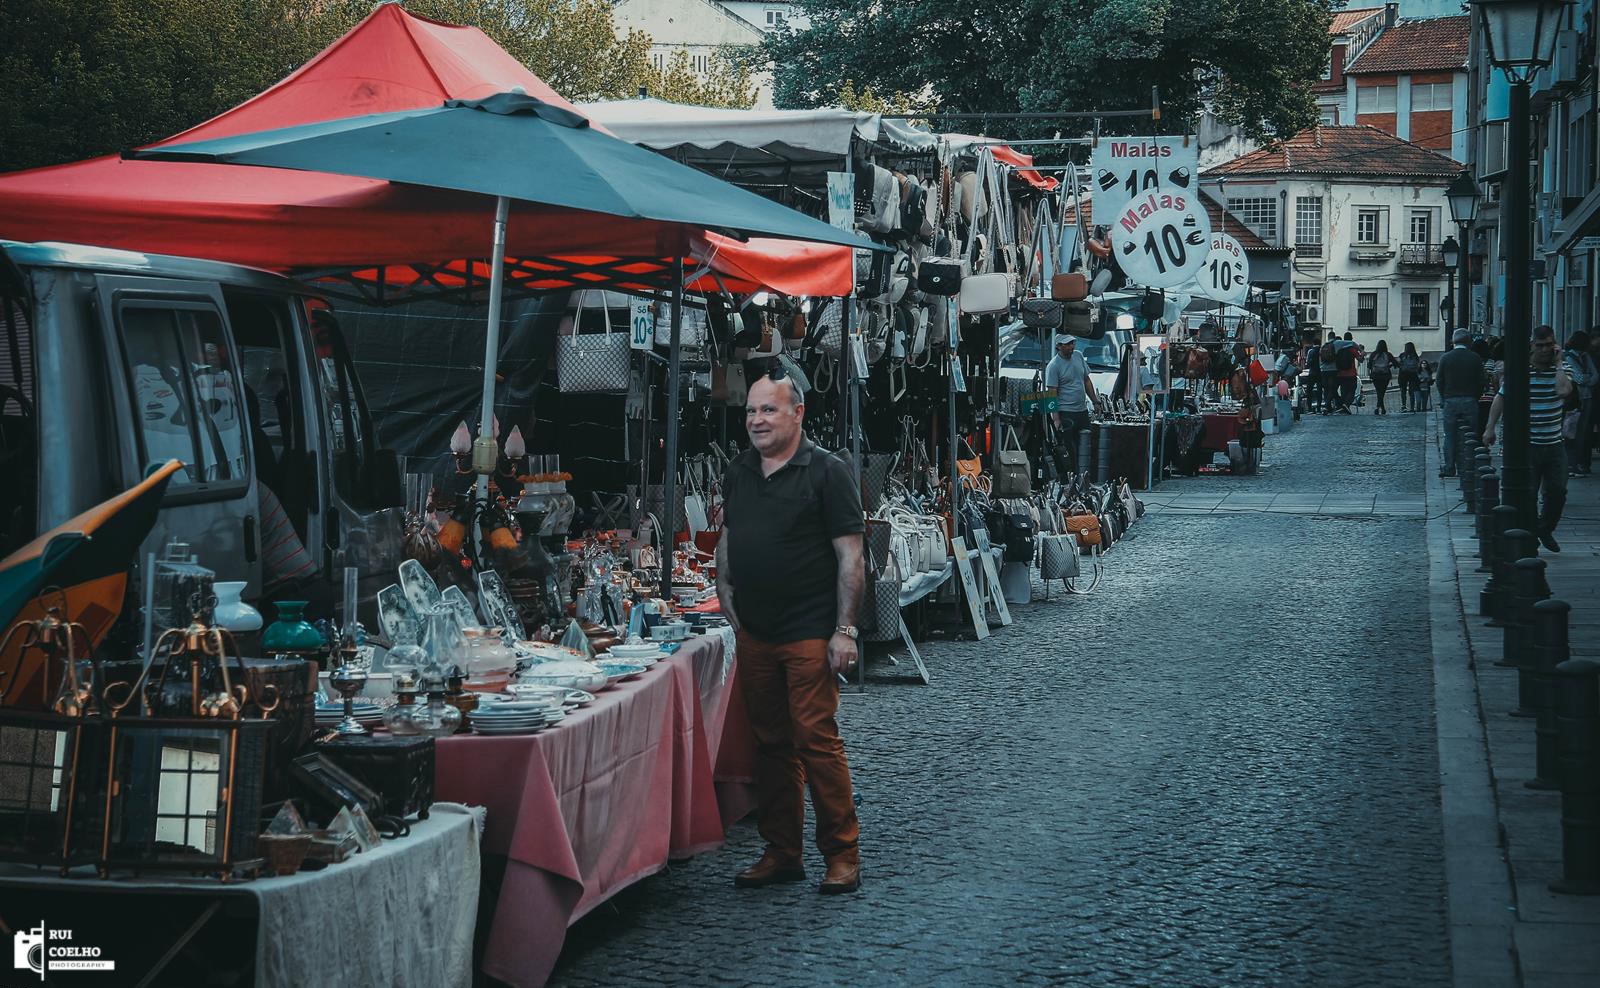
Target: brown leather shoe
842, 876
770, 870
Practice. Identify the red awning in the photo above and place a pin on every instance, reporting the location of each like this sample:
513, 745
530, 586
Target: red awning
789, 267
299, 221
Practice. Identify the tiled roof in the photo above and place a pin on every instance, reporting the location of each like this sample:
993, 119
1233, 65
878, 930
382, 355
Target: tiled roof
1361, 151
1344, 20
1433, 45
1221, 219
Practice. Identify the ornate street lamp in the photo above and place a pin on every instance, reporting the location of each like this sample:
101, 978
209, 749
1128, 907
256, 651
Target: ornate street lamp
1451, 252
1520, 39
1463, 198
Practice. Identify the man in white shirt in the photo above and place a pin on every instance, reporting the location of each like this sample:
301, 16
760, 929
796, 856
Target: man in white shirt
1068, 376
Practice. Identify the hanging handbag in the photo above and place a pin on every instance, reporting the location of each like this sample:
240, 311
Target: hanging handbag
592, 363
1153, 306
969, 470
985, 294
1042, 313
1013, 473
941, 275
1077, 318
1069, 287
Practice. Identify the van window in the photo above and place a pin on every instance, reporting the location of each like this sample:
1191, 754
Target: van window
185, 387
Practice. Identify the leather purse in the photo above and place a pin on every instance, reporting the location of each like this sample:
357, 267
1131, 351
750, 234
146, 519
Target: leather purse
1077, 318
985, 294
1086, 527
1058, 557
941, 275
1013, 473
1069, 287
1042, 313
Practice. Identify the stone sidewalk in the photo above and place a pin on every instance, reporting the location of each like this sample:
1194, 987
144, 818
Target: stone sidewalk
1502, 839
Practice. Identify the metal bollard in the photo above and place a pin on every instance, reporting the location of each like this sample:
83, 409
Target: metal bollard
1550, 649
1083, 453
1499, 521
1488, 500
1468, 472
1578, 724
1515, 543
1103, 465
1466, 460
1527, 588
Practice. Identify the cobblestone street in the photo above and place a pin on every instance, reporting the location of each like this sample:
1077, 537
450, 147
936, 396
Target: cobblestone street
1220, 769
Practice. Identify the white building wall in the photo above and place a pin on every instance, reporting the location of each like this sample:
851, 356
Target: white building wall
1338, 276
700, 27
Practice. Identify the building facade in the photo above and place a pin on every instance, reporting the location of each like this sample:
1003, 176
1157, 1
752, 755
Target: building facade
704, 28
1411, 81
1365, 215
1565, 193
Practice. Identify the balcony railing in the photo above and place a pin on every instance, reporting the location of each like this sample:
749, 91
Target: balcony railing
1421, 257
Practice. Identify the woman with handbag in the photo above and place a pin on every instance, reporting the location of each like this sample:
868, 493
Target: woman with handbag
1380, 368
1410, 366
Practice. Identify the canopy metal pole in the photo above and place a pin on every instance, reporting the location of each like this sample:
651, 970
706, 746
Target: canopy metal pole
669, 465
491, 343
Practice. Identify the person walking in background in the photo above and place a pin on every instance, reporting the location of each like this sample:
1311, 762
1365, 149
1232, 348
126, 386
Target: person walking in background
1422, 401
1584, 374
1312, 385
1380, 368
1461, 375
1548, 384
1328, 372
1410, 367
1347, 357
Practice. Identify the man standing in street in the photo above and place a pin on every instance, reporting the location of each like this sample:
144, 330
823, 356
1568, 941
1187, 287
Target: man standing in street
1461, 380
1067, 375
789, 577
1548, 384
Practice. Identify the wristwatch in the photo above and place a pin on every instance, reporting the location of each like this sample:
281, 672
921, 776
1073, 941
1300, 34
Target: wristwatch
850, 631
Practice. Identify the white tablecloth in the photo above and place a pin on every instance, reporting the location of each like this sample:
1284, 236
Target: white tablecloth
401, 914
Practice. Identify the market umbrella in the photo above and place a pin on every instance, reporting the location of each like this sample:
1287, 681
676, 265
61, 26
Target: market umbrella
87, 557
516, 146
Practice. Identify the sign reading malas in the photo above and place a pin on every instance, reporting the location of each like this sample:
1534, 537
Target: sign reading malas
1126, 167
1225, 273
1160, 238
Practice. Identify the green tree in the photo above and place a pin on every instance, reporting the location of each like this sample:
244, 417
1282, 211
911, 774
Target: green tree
1254, 60
727, 82
87, 77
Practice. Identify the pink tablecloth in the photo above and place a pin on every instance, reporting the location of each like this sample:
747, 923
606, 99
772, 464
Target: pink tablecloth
591, 806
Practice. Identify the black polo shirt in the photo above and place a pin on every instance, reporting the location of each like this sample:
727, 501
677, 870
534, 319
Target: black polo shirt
780, 532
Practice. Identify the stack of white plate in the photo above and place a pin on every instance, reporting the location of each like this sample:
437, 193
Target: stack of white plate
367, 713
514, 716
569, 699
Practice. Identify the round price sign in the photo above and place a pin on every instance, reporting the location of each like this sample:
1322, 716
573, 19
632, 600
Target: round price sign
1225, 273
1160, 238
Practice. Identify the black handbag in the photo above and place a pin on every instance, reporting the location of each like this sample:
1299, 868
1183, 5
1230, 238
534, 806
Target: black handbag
1042, 313
941, 275
1077, 318
1014, 532
1153, 305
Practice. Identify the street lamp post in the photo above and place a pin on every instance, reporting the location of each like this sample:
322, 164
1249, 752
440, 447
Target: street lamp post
1520, 36
1463, 198
1451, 252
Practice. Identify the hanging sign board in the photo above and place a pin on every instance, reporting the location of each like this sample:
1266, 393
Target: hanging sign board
1225, 273
643, 322
1161, 238
1125, 168
842, 199
1035, 401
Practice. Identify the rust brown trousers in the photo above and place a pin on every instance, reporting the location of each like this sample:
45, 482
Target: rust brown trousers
791, 696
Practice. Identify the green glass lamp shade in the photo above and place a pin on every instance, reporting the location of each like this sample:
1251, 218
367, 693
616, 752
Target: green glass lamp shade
291, 632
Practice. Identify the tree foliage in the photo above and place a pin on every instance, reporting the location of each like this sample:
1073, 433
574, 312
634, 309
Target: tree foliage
1253, 60
88, 77
727, 82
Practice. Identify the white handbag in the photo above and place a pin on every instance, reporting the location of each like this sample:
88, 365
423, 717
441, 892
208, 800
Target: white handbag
984, 294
